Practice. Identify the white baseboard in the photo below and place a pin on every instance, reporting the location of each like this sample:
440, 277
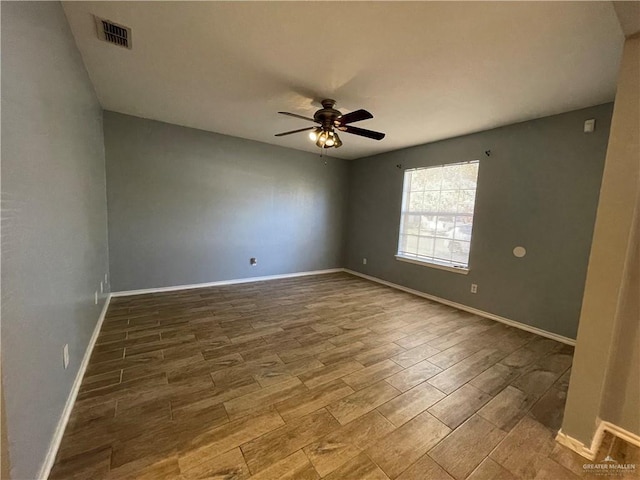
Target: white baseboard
475, 311
620, 432
591, 451
126, 293
49, 460
579, 447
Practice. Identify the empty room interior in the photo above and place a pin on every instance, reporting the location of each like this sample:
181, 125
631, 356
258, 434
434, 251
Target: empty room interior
303, 240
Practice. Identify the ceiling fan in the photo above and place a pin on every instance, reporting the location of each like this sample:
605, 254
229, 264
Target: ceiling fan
331, 121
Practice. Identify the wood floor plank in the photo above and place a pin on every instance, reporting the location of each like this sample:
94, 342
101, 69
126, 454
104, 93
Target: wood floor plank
523, 446
341, 445
295, 354
532, 351
409, 404
341, 353
462, 451
228, 465
264, 397
549, 409
329, 373
371, 374
490, 470
398, 450
547, 469
412, 341
535, 381
350, 336
313, 399
414, 355
414, 375
377, 354
424, 469
282, 442
224, 438
294, 467
495, 378
360, 468
194, 401
454, 377
277, 373
92, 464
362, 401
507, 408
460, 405
452, 355
146, 469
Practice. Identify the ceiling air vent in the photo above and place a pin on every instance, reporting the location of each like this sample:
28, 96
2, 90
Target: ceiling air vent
113, 33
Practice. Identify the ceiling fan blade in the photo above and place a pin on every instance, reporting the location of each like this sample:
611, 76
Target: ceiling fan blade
362, 132
351, 117
299, 116
294, 131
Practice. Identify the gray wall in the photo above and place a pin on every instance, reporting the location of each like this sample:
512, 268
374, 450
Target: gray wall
188, 206
54, 222
539, 189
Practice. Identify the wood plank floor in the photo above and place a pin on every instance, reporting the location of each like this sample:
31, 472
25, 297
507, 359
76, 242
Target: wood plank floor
329, 376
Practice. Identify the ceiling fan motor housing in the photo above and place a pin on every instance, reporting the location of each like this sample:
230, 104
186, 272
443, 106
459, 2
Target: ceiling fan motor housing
327, 115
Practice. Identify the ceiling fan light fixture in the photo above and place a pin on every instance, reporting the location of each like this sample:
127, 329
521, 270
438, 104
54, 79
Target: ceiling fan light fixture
337, 141
322, 138
313, 134
329, 142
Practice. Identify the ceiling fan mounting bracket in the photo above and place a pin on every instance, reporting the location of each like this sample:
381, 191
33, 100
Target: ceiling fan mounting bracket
328, 103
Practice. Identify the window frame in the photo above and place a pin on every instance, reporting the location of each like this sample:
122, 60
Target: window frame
434, 262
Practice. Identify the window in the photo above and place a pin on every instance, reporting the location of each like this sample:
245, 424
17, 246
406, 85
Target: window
437, 214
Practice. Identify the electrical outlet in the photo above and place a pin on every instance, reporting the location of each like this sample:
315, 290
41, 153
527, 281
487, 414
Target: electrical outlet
364, 261
95, 297
65, 355
474, 288
101, 287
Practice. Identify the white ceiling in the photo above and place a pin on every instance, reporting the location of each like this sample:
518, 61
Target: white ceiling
426, 70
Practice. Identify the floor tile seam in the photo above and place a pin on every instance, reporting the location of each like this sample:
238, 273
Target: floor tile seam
244, 459
309, 460
453, 430
505, 438
520, 375
443, 371
239, 446
447, 395
539, 397
277, 428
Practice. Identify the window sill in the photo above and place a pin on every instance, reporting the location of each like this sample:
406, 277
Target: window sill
460, 270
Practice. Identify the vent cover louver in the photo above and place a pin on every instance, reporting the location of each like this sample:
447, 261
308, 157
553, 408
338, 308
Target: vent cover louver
113, 33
